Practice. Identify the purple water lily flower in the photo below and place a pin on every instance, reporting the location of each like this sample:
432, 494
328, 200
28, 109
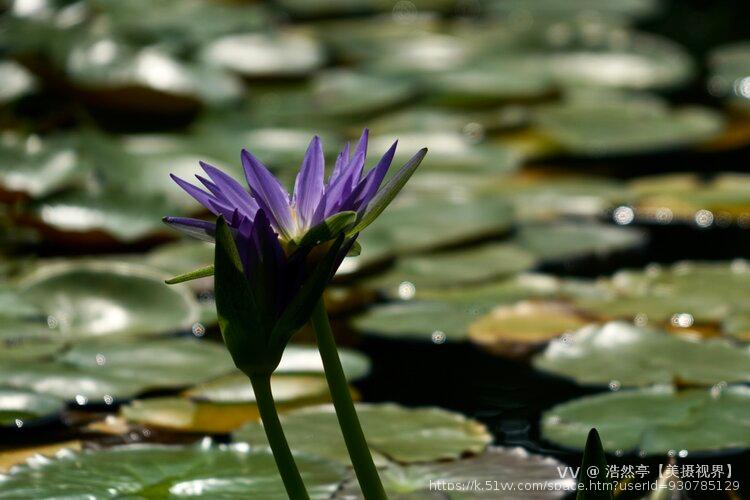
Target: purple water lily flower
313, 201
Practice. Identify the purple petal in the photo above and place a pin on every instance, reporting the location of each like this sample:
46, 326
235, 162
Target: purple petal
201, 229
308, 188
231, 190
200, 196
342, 160
269, 193
367, 188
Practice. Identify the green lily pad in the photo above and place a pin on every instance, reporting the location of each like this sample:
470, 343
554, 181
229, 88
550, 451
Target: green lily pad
681, 294
411, 225
95, 298
626, 355
172, 362
174, 20
729, 64
28, 339
393, 432
517, 329
180, 257
110, 216
154, 471
17, 81
445, 315
223, 405
68, 382
300, 360
544, 197
37, 167
22, 408
555, 242
488, 82
340, 8
490, 261
126, 77
450, 151
686, 198
236, 388
260, 55
655, 421
346, 93
557, 10
618, 128
496, 465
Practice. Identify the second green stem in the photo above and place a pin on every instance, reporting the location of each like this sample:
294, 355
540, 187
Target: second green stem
356, 444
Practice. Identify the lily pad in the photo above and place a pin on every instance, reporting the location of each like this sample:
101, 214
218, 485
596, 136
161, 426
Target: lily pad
154, 471
487, 262
519, 328
117, 75
177, 258
28, 339
299, 360
174, 20
260, 55
414, 225
22, 408
496, 465
70, 383
95, 298
236, 388
451, 151
346, 93
115, 216
687, 198
224, 404
172, 362
626, 355
562, 241
619, 128
655, 421
393, 432
17, 81
445, 315
729, 65
36, 167
682, 294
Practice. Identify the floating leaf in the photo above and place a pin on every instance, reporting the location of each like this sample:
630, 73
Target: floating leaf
17, 81
654, 421
37, 167
172, 362
612, 128
497, 465
562, 241
626, 355
400, 434
20, 408
222, 405
266, 55
117, 216
519, 328
153, 471
411, 225
28, 339
487, 262
95, 298
346, 93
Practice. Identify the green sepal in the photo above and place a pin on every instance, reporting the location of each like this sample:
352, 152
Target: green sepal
192, 275
387, 193
355, 250
328, 229
300, 309
593, 471
244, 332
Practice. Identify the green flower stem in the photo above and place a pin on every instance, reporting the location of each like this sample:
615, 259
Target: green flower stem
295, 488
364, 467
